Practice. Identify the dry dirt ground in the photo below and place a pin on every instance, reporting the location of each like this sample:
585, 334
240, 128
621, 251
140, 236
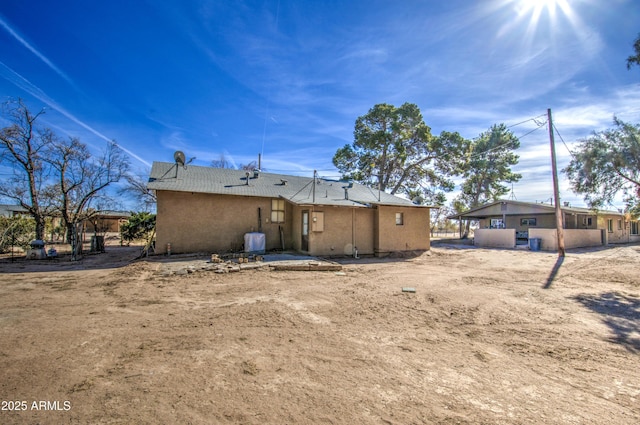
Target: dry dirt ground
488, 337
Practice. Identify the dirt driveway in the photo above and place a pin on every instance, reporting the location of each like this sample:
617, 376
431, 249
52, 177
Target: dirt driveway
488, 336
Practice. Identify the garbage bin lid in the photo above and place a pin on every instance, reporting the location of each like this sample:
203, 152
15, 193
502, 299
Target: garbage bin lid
37, 243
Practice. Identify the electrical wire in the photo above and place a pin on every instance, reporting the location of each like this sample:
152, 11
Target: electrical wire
535, 129
478, 154
527, 120
563, 142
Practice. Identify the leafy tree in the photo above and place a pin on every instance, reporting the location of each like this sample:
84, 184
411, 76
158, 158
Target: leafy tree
488, 166
634, 59
439, 219
607, 164
394, 150
22, 148
139, 226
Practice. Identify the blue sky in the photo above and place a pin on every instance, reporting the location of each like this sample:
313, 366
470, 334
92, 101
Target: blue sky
289, 78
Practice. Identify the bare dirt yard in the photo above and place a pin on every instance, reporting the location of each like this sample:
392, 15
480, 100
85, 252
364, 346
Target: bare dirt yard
488, 337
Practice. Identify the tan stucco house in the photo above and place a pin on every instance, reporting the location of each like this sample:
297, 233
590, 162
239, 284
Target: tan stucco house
106, 221
507, 223
205, 209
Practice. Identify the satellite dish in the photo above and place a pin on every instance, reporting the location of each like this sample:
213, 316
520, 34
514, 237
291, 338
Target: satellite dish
179, 157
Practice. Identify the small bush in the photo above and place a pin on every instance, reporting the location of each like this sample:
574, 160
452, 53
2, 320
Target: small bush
16, 231
139, 226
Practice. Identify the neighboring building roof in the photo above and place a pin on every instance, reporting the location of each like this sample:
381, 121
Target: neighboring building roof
7, 210
295, 189
525, 208
112, 214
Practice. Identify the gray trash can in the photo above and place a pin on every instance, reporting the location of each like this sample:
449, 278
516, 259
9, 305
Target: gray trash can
534, 244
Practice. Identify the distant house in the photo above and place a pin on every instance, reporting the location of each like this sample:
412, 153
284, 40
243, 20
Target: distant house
106, 221
212, 209
7, 210
100, 222
507, 223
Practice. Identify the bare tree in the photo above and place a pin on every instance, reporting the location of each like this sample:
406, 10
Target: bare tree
136, 188
22, 148
81, 179
221, 162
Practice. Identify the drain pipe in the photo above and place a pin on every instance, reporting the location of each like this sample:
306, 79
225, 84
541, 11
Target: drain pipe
353, 232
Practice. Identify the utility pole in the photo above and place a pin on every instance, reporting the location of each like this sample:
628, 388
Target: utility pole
556, 191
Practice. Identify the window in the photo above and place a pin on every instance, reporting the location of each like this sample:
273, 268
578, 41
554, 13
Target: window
497, 223
527, 221
619, 224
587, 221
399, 219
277, 210
610, 225
634, 227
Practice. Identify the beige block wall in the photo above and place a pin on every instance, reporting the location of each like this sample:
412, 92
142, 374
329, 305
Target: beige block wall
573, 238
412, 235
495, 238
197, 222
344, 229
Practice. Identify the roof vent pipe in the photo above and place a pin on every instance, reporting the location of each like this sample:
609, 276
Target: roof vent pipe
247, 174
346, 190
256, 173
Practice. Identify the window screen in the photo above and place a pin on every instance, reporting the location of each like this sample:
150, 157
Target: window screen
277, 210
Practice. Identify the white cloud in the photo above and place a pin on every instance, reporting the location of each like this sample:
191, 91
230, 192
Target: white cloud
24, 84
37, 53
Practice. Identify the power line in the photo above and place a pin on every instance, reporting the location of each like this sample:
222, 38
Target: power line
534, 119
540, 125
563, 142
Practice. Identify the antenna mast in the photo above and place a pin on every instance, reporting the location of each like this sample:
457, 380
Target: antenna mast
513, 194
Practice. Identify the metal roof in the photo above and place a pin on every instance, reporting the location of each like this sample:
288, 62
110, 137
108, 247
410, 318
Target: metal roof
8, 210
296, 189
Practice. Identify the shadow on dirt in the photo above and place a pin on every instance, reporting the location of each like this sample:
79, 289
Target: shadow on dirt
113, 257
554, 272
620, 313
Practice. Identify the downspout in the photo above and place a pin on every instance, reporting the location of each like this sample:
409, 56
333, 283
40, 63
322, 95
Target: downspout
353, 233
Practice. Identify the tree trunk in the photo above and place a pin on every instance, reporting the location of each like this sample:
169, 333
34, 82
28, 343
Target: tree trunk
69, 233
40, 225
467, 229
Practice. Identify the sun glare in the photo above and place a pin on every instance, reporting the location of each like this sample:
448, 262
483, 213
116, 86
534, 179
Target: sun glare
536, 7
534, 13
